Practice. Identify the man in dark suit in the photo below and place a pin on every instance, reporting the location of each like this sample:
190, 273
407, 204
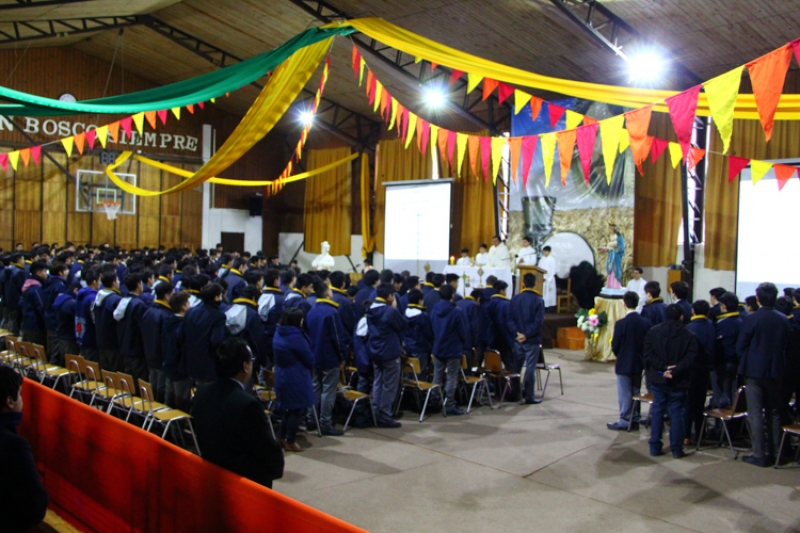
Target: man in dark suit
231, 425
761, 347
527, 316
628, 347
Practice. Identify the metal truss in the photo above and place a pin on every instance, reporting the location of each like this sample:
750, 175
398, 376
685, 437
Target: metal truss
21, 4
33, 30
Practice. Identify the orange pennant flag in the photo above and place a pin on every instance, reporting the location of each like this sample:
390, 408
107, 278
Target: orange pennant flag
783, 173
25, 155
113, 129
190, 108
515, 144
637, 123
385, 96
695, 155
767, 74
151, 118
474, 146
536, 107
80, 139
587, 120
566, 148
442, 142
369, 82
489, 85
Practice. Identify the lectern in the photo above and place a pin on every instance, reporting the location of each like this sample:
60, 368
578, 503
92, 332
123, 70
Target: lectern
525, 269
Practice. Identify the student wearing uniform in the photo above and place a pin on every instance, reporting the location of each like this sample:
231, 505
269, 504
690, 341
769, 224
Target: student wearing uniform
15, 277
427, 287
270, 309
235, 278
449, 326
433, 297
298, 297
243, 320
452, 280
152, 326
55, 285
791, 381
714, 296
526, 315
85, 329
726, 360
129, 315
177, 382
477, 323
203, 332
371, 280
654, 310
502, 336
107, 339
64, 308
628, 346
680, 293
418, 336
385, 328
33, 326
703, 329
411, 282
346, 308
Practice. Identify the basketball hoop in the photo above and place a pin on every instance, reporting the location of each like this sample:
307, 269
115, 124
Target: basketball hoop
111, 209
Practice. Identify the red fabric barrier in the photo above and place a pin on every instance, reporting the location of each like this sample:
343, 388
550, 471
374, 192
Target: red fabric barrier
110, 476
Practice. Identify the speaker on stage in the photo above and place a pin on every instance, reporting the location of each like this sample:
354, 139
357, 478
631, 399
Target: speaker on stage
256, 204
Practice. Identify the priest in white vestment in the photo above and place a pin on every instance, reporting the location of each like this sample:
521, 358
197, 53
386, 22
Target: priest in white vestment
526, 254
499, 256
548, 263
637, 285
482, 259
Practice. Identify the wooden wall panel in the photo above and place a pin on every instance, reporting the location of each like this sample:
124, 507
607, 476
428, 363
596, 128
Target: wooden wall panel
170, 231
54, 230
79, 228
191, 230
126, 228
7, 235
148, 231
7, 191
149, 178
102, 229
28, 195
170, 203
28, 227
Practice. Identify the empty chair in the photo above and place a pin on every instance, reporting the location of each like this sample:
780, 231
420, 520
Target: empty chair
473, 384
412, 364
725, 415
493, 368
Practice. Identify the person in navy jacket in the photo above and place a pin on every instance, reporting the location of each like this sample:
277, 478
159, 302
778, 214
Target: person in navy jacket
270, 309
152, 326
791, 380
129, 315
411, 282
385, 328
103, 313
502, 332
328, 344
449, 341
76, 267
347, 311
703, 329
247, 325
235, 278
761, 348
796, 308
85, 330
56, 284
654, 309
427, 287
294, 364
297, 297
726, 359
33, 325
178, 383
680, 294
418, 337
15, 277
628, 346
64, 307
433, 297
371, 280
526, 315
203, 332
478, 324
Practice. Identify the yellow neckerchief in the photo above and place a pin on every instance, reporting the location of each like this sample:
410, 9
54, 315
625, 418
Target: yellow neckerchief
382, 300
470, 298
29, 261
340, 291
796, 306
162, 302
179, 271
226, 266
500, 296
534, 291
80, 261
19, 265
327, 301
428, 284
490, 286
698, 317
191, 291
728, 315
416, 306
245, 301
298, 291
162, 278
113, 289
273, 289
654, 300
234, 271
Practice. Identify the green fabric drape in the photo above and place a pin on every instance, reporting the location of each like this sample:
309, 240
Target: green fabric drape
180, 94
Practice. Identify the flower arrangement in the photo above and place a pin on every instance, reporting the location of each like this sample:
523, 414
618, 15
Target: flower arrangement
590, 322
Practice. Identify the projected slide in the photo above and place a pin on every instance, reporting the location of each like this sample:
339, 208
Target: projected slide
766, 250
417, 228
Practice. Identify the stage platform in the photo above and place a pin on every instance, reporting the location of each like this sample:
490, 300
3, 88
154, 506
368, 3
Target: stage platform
554, 321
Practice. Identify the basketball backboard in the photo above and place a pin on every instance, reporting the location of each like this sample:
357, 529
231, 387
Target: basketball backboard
94, 189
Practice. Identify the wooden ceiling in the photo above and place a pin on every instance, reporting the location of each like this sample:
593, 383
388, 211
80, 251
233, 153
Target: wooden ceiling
707, 36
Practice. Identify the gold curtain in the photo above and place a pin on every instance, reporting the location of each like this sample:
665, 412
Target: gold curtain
657, 217
327, 214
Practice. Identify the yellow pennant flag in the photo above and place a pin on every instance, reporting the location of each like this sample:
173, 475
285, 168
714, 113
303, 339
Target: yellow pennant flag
213, 100
573, 119
102, 135
721, 93
472, 81
624, 140
461, 149
361, 65
177, 112
417, 59
138, 119
497, 156
13, 158
378, 91
434, 137
758, 169
68, 143
520, 99
412, 127
394, 114
548, 141
610, 131
675, 154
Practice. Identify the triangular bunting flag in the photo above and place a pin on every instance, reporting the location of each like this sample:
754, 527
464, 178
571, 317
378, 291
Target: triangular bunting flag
548, 155
162, 114
515, 146
67, 142
411, 128
91, 135
573, 119
372, 86
536, 107
735, 166
36, 155
474, 145
646, 147
767, 74
637, 123
759, 169
423, 135
362, 65
13, 158
377, 96
783, 173
504, 92
556, 112
489, 85
369, 87
566, 148
486, 156
25, 155
201, 105
610, 130
113, 130
520, 99
528, 151
682, 108
624, 140
403, 123
138, 119
659, 145
355, 61
212, 100
394, 114
586, 136
442, 142
587, 120
434, 65
434, 136
190, 108
675, 154
455, 75
472, 81
796, 47
497, 156
4, 162
721, 93
102, 135
452, 139
461, 149
80, 139
695, 155
385, 97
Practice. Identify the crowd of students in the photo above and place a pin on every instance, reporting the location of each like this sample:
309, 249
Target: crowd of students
161, 315
684, 347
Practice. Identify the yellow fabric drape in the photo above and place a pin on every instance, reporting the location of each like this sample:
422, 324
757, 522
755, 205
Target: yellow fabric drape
418, 46
366, 194
394, 163
275, 98
657, 204
328, 205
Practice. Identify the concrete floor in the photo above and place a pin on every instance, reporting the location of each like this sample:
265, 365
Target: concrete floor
547, 467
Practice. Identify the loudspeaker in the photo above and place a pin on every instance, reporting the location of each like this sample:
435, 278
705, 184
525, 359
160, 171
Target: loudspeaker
256, 204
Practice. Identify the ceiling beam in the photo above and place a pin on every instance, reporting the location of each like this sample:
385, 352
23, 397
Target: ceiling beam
22, 4
34, 30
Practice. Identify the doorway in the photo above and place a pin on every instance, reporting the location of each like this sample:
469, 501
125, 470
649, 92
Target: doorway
232, 242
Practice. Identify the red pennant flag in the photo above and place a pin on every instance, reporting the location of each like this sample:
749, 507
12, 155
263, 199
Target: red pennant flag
452, 137
455, 75
767, 74
489, 85
373, 86
486, 156
536, 107
126, 124
682, 108
356, 61
80, 139
91, 135
782, 172
162, 114
587, 135
504, 91
566, 147
202, 105
695, 155
659, 145
36, 154
735, 166
528, 149
637, 122
556, 112
4, 162
426, 134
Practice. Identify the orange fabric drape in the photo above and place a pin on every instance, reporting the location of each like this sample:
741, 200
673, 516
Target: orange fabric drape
657, 206
327, 215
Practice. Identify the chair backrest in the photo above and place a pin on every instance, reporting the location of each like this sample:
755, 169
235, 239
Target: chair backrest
413, 363
740, 400
73, 363
269, 379
464, 364
39, 353
11, 345
126, 383
146, 390
25, 349
492, 361
92, 370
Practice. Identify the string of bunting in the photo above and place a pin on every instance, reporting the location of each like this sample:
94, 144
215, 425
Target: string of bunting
721, 93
